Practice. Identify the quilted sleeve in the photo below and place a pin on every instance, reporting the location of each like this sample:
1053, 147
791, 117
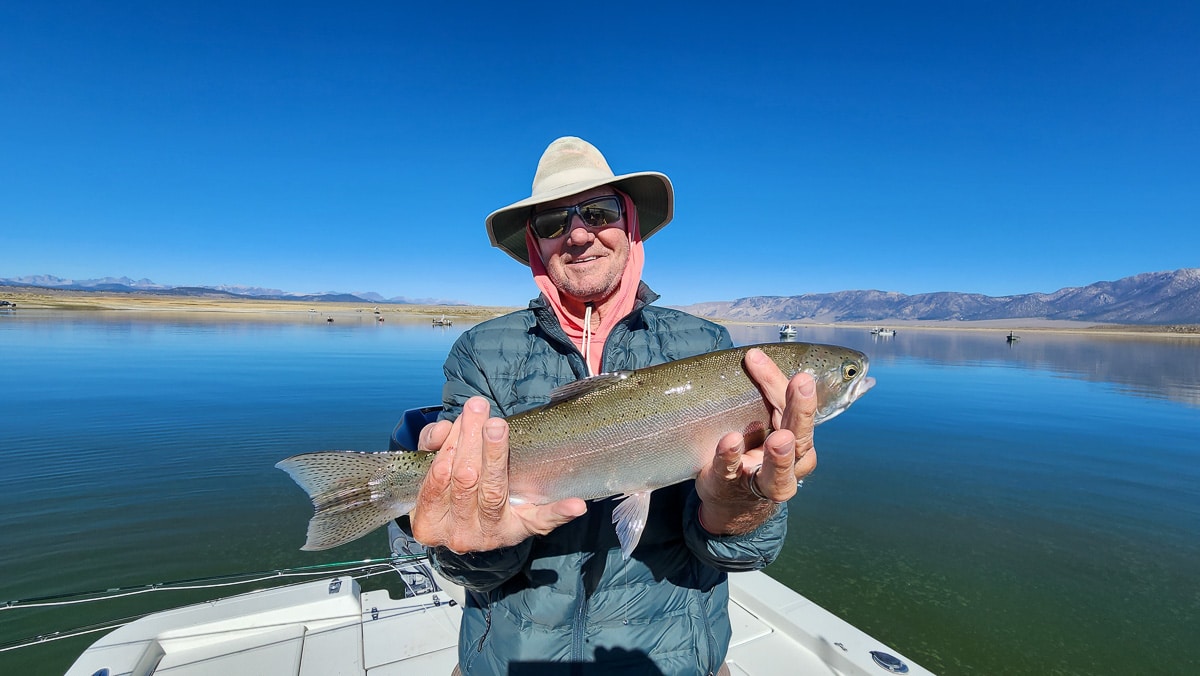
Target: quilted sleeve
732, 553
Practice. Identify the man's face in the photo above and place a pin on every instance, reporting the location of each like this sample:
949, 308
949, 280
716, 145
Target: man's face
586, 263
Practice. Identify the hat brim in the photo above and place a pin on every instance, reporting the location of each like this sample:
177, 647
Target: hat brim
651, 192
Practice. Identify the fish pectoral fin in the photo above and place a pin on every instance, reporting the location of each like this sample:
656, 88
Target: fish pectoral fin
630, 516
584, 386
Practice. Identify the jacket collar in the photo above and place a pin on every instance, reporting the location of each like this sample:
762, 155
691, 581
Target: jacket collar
545, 317
645, 296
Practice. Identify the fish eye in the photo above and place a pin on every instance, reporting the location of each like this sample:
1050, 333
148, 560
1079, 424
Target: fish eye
849, 371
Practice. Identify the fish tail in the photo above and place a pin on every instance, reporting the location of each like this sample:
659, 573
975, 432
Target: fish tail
355, 493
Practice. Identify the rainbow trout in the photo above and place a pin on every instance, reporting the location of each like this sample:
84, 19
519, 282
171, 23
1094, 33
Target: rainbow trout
616, 434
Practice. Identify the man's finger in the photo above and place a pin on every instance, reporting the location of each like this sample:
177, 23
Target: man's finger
468, 460
541, 519
728, 459
493, 483
801, 408
429, 515
776, 479
799, 417
434, 435
806, 464
771, 382
433, 498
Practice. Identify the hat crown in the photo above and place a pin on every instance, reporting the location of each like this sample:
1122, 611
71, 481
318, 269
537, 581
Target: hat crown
567, 161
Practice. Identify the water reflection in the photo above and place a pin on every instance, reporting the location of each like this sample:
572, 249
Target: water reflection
1149, 366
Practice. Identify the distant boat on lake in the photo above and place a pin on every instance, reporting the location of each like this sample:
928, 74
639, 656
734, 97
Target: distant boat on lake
787, 331
1012, 338
442, 321
880, 331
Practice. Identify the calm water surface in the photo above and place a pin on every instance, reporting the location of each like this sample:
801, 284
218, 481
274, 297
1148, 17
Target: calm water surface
986, 509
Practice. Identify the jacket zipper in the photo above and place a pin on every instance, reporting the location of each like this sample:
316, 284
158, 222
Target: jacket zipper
712, 640
487, 627
578, 629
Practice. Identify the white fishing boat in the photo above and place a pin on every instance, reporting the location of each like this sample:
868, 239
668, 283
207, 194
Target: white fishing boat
787, 331
332, 626
881, 331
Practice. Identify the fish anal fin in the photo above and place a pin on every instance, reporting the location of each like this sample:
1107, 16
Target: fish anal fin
630, 516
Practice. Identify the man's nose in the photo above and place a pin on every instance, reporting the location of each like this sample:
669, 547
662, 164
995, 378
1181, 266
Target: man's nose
579, 232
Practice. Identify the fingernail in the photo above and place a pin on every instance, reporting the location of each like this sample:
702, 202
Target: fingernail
808, 388
494, 430
757, 356
783, 450
477, 405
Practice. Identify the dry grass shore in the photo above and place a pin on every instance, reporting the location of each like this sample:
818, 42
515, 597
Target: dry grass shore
216, 307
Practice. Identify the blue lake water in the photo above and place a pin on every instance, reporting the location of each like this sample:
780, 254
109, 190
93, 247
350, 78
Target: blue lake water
986, 509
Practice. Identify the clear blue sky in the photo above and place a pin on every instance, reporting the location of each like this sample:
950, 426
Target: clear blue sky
1000, 147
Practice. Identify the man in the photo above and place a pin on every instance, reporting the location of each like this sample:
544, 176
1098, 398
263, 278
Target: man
546, 584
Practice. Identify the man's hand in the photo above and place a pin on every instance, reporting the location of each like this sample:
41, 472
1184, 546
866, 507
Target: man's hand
738, 491
463, 503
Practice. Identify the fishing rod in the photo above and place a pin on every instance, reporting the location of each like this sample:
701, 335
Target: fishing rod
209, 582
68, 598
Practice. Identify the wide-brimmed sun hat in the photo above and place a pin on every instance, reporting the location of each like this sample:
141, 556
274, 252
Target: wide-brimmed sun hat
571, 165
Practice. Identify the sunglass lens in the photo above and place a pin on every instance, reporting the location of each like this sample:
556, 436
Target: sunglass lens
551, 224
600, 211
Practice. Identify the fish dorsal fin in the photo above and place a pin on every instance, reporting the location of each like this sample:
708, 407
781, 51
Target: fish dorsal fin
591, 384
630, 516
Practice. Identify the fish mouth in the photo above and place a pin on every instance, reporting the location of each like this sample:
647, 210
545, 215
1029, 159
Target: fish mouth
855, 390
860, 388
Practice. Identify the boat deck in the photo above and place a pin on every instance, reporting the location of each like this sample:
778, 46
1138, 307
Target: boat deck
330, 626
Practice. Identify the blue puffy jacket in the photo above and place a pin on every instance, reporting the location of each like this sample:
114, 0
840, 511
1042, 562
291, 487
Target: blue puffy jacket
569, 597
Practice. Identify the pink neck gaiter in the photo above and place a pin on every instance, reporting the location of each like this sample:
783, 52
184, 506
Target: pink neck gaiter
618, 305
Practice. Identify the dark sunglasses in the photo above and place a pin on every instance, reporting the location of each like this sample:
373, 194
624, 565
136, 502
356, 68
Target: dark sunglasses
595, 213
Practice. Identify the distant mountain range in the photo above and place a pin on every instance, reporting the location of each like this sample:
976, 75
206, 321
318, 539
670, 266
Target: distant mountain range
127, 285
1149, 298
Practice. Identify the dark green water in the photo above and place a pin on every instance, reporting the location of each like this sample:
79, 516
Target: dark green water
986, 509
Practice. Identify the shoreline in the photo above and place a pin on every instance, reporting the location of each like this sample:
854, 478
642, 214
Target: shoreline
27, 298
1018, 326
100, 301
